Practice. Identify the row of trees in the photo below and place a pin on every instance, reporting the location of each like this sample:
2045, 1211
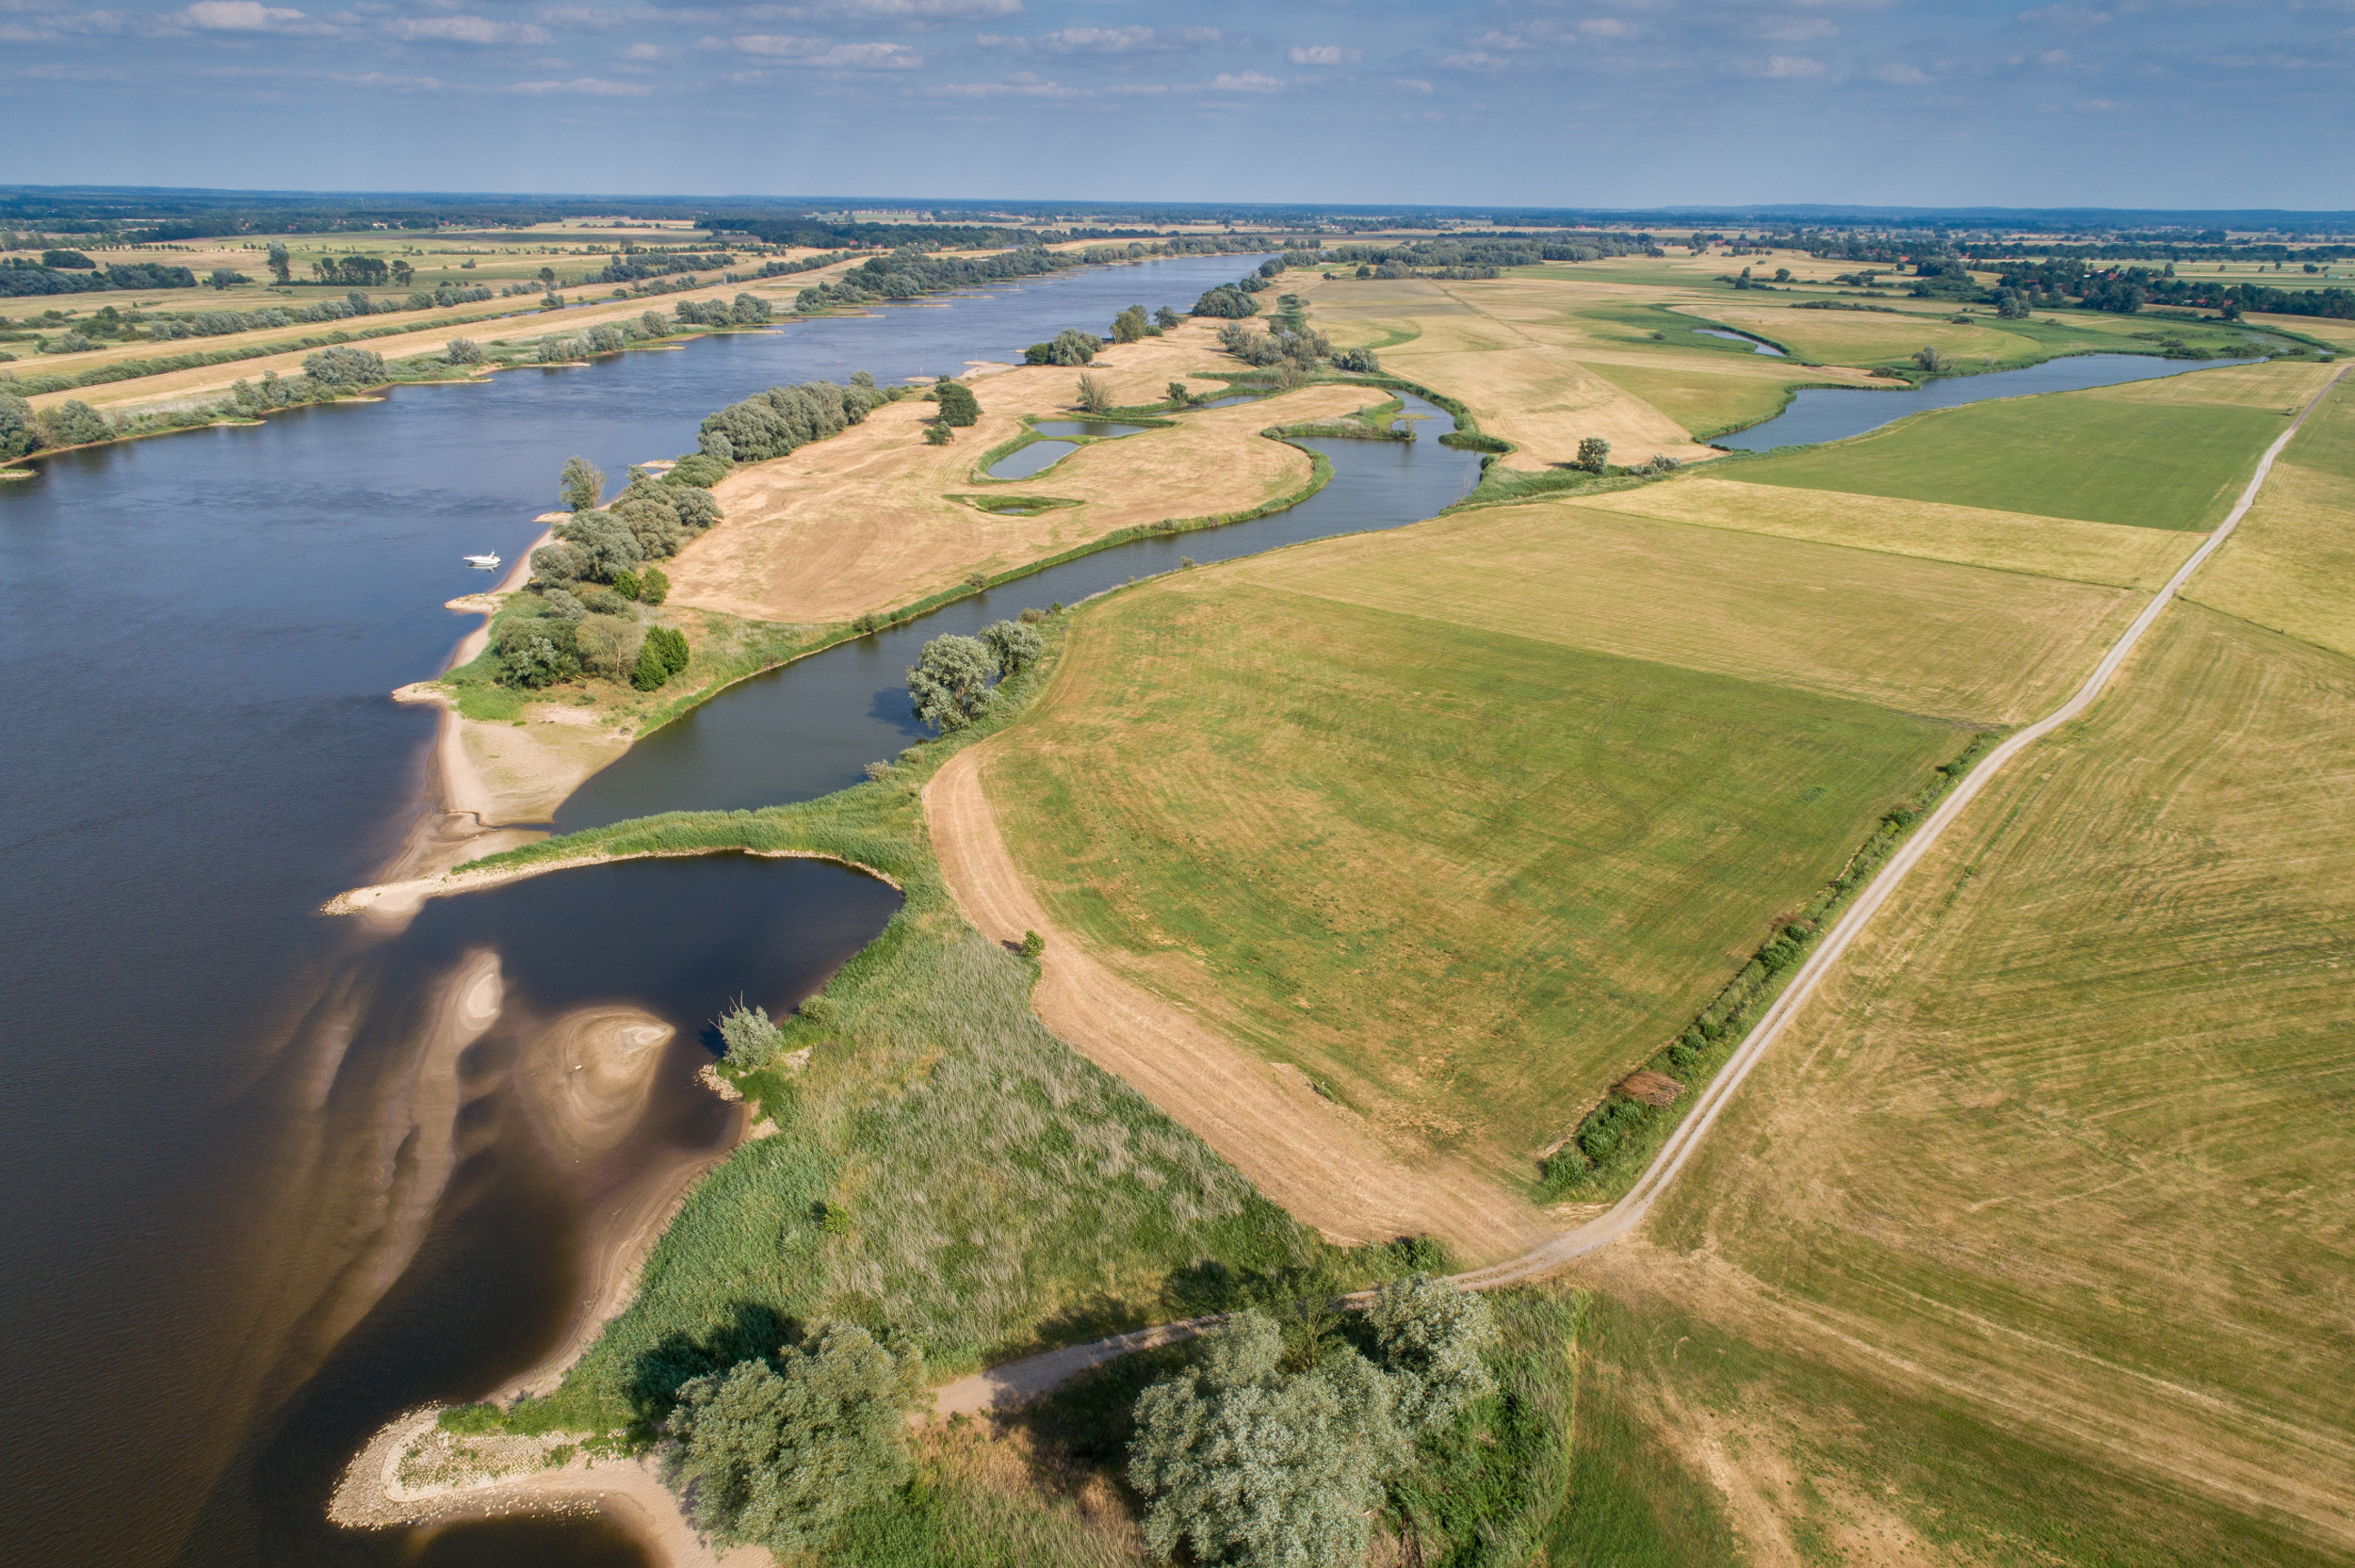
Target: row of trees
362, 271
22, 278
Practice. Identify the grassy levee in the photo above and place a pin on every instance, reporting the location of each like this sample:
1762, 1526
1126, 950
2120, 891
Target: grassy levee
1466, 852
2071, 454
2291, 563
2063, 1153
945, 1172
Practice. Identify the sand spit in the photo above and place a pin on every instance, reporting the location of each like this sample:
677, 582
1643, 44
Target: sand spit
414, 1474
400, 901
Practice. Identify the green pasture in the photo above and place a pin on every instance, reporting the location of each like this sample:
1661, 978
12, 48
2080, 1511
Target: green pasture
2060, 455
1466, 879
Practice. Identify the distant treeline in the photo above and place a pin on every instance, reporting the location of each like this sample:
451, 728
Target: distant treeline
20, 278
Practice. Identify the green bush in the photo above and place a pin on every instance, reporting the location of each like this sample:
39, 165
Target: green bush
654, 585
958, 406
73, 423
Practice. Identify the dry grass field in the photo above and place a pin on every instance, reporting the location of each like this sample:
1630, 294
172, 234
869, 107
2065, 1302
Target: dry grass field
1466, 820
2291, 563
2065, 1147
2106, 553
1916, 636
869, 519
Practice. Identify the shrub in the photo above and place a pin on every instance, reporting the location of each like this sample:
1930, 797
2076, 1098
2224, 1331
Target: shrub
1178, 395
20, 432
1032, 945
654, 585
626, 584
462, 351
701, 470
1249, 1467
73, 423
958, 406
1013, 645
1226, 300
1362, 361
1068, 347
1095, 397
651, 671
1166, 319
950, 681
344, 367
1593, 455
609, 645
939, 434
778, 1456
671, 644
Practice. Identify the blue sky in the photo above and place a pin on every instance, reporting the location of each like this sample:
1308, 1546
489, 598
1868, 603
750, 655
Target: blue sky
1621, 103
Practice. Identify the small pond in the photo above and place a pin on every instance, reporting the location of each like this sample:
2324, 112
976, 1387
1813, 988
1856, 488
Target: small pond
1756, 346
1036, 458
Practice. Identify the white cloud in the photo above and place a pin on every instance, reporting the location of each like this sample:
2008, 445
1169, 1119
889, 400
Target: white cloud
1798, 29
1102, 40
1899, 75
1790, 68
825, 54
1476, 60
583, 87
642, 52
246, 16
465, 29
1606, 26
1411, 84
1248, 81
915, 12
1323, 54
1021, 84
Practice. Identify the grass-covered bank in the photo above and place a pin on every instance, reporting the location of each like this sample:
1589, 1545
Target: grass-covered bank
946, 1171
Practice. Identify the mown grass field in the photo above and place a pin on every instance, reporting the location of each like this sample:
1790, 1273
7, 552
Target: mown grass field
2073, 454
1917, 636
1465, 876
2108, 553
2065, 1146
2291, 563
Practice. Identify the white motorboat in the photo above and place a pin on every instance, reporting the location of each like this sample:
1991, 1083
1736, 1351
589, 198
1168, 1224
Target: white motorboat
483, 562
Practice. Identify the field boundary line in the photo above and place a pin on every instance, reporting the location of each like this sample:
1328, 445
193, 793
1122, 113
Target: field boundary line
1013, 1382
1629, 1212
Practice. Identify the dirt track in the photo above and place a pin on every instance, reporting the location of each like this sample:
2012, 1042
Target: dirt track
961, 816
1317, 1161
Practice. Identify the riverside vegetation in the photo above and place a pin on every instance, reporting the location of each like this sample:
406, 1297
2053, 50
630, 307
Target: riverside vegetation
950, 1185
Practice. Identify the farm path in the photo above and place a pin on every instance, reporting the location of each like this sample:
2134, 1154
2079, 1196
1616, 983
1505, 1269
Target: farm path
968, 818
1316, 1159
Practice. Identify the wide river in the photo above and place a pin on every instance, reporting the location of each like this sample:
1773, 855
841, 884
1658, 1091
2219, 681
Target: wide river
274, 1177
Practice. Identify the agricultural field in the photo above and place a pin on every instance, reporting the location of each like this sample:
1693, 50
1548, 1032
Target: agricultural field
2290, 566
1467, 819
2104, 456
2063, 1146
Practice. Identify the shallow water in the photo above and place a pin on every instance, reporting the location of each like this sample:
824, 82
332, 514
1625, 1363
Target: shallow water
1756, 346
1835, 413
206, 753
810, 728
1036, 458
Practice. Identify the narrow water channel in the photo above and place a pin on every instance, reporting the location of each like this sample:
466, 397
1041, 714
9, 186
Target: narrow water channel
276, 1177
1835, 413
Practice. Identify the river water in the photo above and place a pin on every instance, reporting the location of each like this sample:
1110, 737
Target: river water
269, 1185
1835, 413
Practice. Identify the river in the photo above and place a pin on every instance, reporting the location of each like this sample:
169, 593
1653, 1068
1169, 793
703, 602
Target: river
269, 1186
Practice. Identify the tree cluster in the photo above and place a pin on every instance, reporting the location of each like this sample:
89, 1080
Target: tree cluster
21, 277
950, 682
772, 422
362, 271
1303, 350
745, 310
1264, 1455
1229, 301
1068, 347
779, 1452
649, 522
631, 267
